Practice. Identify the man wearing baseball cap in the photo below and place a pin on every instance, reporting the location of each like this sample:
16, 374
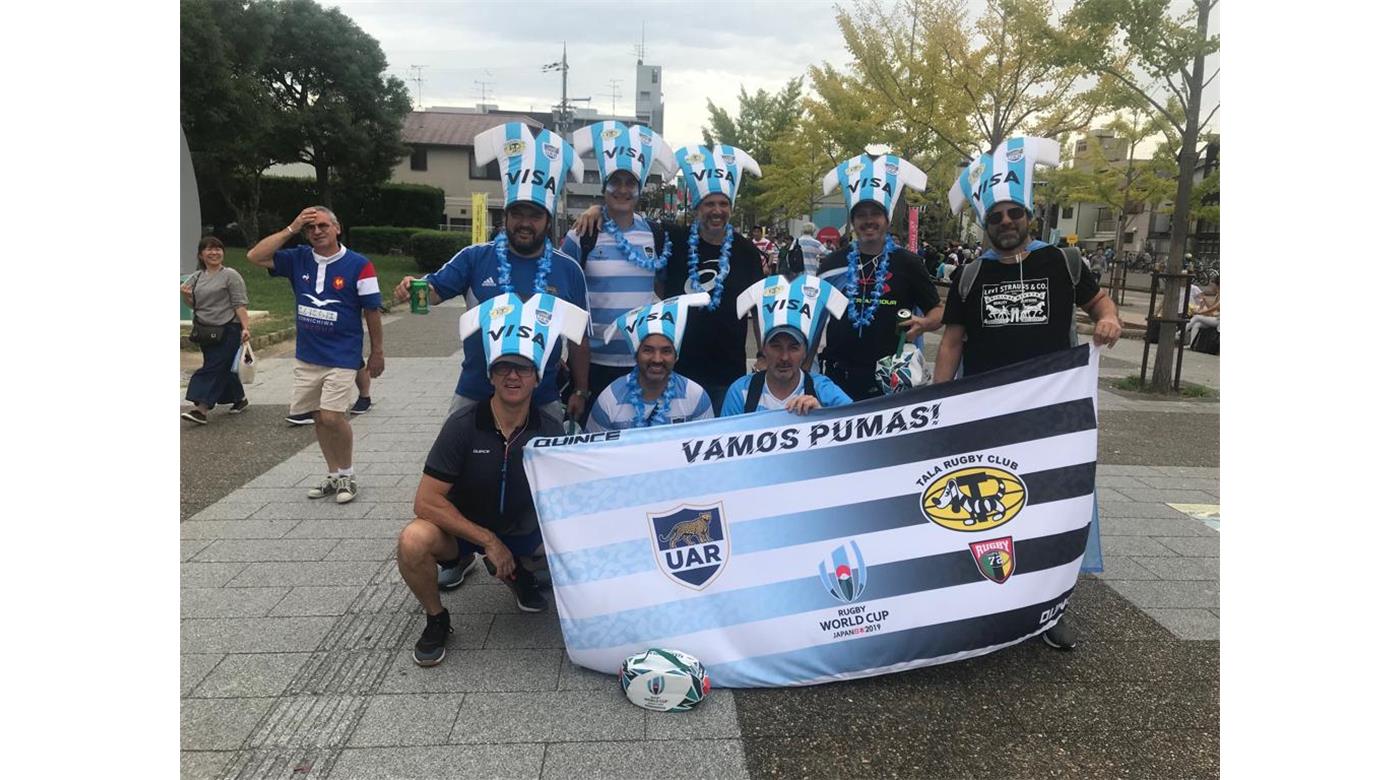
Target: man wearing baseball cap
652, 393
473, 497
878, 277
792, 315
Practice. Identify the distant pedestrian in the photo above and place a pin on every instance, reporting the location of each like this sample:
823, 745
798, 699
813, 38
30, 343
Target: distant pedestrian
334, 289
217, 296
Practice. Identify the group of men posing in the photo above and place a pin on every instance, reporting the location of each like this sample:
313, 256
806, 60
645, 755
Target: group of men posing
656, 322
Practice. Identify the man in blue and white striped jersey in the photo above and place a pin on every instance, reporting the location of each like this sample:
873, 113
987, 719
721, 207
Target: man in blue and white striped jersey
621, 261
652, 393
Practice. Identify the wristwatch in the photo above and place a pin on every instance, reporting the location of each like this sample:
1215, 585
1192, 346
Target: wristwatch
584, 393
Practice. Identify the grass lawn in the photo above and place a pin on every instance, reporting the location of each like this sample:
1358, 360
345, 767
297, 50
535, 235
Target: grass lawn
274, 294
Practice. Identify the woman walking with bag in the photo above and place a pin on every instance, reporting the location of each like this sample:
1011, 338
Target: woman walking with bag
219, 299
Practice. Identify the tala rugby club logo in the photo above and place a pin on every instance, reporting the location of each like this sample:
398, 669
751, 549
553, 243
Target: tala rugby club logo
690, 544
972, 493
996, 558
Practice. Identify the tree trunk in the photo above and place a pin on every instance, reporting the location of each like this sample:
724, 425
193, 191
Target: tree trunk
245, 209
323, 185
1163, 365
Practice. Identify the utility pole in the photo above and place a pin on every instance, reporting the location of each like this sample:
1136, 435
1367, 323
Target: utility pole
417, 78
614, 84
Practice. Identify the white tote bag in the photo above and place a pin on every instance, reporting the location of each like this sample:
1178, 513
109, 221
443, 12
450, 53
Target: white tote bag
246, 364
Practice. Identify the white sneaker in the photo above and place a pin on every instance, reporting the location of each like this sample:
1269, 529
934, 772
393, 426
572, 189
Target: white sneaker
326, 488
345, 489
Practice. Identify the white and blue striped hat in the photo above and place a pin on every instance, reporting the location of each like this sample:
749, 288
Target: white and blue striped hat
707, 170
532, 167
876, 176
621, 148
1006, 174
796, 305
510, 326
665, 317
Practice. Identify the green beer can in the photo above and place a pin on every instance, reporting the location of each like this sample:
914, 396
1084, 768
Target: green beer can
418, 296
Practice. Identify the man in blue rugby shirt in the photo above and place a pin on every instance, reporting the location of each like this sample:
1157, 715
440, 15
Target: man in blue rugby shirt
620, 262
520, 259
334, 287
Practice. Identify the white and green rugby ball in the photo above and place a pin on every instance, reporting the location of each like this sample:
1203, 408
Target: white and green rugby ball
664, 680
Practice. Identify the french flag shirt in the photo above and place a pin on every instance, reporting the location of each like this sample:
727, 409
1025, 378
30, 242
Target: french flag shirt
330, 294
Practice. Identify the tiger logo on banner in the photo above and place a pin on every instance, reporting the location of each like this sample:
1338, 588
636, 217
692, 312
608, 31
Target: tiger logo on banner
974, 499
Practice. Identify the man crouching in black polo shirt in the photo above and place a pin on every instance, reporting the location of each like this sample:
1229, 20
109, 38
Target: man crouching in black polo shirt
474, 498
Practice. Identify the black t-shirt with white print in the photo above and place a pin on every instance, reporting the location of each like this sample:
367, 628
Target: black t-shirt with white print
1017, 311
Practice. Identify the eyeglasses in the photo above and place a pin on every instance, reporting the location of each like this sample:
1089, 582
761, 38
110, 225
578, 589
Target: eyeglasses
1013, 213
502, 370
317, 226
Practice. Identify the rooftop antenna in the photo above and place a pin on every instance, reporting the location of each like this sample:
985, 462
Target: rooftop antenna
485, 86
641, 48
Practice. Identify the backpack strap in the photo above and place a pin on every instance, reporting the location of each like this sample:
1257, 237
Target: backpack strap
755, 391
658, 237
809, 385
969, 275
1074, 263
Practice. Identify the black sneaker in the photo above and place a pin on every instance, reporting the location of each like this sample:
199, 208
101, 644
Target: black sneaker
432, 645
451, 576
305, 418
196, 416
238, 406
362, 405
527, 591
1060, 637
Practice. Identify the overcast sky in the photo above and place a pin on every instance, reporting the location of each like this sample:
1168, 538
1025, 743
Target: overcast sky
706, 50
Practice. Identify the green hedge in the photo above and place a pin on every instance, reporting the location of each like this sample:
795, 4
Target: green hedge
432, 248
381, 239
398, 205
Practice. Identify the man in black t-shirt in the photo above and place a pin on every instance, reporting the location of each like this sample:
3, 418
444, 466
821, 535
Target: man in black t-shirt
1020, 305
473, 496
871, 184
714, 353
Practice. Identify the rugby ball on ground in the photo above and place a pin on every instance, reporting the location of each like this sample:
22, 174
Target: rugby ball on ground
664, 680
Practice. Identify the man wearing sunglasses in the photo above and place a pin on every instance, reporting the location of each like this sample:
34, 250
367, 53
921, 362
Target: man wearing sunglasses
334, 289
1019, 299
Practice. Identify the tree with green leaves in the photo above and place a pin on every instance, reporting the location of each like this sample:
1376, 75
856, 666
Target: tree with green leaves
1158, 57
263, 83
762, 117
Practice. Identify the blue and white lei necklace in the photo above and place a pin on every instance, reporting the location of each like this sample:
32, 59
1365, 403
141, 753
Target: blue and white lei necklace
661, 415
857, 316
630, 252
694, 263
503, 266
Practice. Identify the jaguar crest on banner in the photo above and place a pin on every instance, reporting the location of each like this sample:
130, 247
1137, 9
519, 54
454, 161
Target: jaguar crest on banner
690, 543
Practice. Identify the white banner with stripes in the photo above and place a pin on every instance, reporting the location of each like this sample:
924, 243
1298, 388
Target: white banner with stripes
915, 529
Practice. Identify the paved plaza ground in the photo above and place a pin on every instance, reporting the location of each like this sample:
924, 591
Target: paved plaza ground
296, 630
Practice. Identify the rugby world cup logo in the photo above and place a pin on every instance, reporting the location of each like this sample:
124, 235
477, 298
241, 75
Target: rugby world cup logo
656, 685
690, 544
843, 573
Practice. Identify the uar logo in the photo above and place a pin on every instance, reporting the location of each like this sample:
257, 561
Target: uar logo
690, 544
843, 573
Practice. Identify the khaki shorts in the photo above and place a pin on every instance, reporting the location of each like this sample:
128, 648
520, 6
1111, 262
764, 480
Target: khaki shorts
322, 387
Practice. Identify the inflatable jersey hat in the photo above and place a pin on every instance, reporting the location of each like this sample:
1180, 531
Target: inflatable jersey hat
532, 167
621, 148
797, 304
510, 326
706, 170
1005, 174
875, 176
665, 317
